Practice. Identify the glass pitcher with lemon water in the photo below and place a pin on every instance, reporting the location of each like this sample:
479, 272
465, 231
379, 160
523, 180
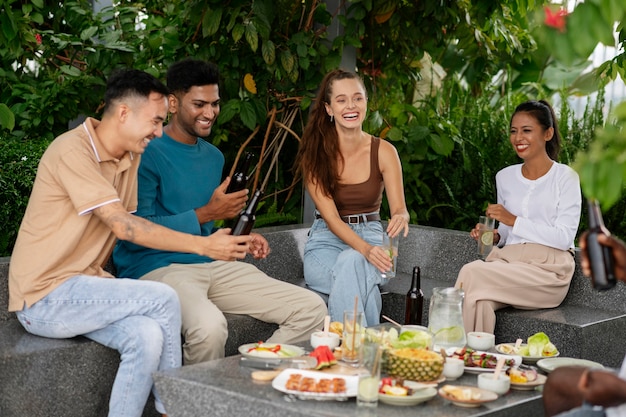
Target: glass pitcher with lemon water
445, 318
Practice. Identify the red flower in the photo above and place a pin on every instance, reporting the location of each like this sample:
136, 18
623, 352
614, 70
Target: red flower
38, 38
555, 20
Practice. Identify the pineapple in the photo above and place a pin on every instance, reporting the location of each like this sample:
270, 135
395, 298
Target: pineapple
414, 364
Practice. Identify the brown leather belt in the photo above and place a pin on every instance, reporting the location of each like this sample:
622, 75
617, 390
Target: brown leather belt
356, 218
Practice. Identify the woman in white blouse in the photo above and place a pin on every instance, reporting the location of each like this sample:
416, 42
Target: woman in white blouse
538, 210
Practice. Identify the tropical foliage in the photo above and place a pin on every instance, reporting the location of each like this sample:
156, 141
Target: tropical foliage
442, 76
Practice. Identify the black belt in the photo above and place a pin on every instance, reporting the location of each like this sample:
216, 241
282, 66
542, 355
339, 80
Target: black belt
356, 218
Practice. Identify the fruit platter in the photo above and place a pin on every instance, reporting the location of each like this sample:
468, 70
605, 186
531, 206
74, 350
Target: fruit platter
477, 361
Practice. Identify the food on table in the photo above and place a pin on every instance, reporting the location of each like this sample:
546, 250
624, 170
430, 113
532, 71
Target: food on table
390, 338
395, 387
297, 382
336, 327
461, 393
324, 356
522, 374
478, 359
271, 350
537, 345
414, 364
265, 375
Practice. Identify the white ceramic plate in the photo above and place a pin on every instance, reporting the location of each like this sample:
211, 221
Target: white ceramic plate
419, 396
529, 386
286, 351
352, 384
504, 348
478, 370
485, 396
550, 364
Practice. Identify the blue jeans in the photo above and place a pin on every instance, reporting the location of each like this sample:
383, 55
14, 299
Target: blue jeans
334, 268
140, 319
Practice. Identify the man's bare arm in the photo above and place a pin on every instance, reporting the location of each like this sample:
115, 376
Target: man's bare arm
125, 226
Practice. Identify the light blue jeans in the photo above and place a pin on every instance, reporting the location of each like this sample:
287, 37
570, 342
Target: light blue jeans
332, 267
140, 319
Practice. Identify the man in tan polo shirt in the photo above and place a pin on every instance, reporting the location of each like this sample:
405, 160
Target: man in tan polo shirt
82, 200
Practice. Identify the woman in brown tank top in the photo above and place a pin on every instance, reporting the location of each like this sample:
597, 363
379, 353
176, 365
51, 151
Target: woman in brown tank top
345, 171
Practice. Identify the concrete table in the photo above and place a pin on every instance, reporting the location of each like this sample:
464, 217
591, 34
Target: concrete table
224, 388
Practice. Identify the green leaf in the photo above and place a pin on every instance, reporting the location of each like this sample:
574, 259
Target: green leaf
228, 111
238, 32
252, 37
88, 33
586, 16
418, 133
69, 70
37, 18
7, 118
248, 117
234, 13
211, 22
287, 60
302, 50
375, 120
8, 25
38, 3
442, 145
394, 134
268, 50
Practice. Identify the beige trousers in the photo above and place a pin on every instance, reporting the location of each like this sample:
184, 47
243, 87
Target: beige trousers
525, 276
209, 289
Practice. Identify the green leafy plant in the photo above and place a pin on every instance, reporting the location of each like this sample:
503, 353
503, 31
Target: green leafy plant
18, 166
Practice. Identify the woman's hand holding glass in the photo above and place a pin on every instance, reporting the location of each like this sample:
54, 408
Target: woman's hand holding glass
379, 257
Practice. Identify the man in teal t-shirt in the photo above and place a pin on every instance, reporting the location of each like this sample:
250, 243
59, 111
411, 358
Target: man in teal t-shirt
179, 187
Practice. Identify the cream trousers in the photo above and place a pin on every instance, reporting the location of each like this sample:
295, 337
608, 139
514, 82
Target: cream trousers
209, 289
525, 276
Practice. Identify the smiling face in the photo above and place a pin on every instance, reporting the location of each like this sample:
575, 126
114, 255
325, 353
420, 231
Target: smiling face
142, 121
528, 137
348, 103
194, 113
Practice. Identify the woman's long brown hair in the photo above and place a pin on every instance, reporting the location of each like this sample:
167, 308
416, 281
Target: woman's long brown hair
318, 157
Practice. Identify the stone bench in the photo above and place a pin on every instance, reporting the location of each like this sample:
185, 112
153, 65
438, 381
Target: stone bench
45, 377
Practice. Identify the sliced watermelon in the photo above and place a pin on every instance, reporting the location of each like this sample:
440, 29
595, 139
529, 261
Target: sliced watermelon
324, 356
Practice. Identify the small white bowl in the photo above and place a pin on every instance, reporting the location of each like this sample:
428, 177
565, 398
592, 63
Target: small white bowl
330, 339
453, 368
481, 340
499, 386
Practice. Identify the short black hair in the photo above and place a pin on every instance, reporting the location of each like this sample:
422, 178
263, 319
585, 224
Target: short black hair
131, 83
183, 75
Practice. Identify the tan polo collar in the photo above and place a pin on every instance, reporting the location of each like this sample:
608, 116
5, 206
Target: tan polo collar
102, 155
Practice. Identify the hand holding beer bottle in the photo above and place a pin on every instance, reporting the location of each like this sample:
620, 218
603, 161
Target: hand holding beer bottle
617, 248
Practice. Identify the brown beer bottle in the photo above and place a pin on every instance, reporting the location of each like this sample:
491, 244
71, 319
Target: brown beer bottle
414, 300
240, 177
245, 221
600, 257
